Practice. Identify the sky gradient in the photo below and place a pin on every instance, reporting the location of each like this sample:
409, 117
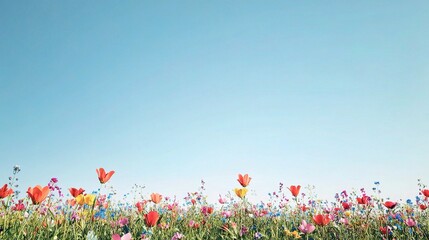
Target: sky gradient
166, 93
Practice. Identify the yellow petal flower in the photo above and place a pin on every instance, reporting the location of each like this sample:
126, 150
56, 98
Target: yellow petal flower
80, 199
241, 192
89, 199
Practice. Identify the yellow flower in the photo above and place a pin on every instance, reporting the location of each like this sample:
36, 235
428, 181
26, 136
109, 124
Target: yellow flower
294, 234
347, 213
85, 199
240, 192
80, 199
89, 199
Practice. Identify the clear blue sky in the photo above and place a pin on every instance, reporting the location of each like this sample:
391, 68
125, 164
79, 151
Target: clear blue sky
166, 93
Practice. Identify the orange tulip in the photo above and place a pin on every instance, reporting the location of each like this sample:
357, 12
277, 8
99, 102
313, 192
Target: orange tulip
156, 198
38, 194
76, 192
5, 191
151, 218
244, 180
295, 190
103, 176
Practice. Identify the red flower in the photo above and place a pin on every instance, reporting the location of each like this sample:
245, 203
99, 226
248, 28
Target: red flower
346, 205
303, 207
151, 218
363, 200
295, 190
140, 205
425, 192
244, 180
5, 191
103, 176
321, 220
38, 194
76, 192
390, 204
423, 207
385, 230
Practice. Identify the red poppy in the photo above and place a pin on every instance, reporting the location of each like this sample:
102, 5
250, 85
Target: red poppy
156, 198
244, 180
76, 192
295, 190
103, 176
5, 191
390, 204
363, 200
425, 192
423, 207
38, 194
346, 205
321, 220
151, 218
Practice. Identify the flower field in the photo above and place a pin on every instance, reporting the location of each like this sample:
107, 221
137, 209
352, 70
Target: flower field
46, 212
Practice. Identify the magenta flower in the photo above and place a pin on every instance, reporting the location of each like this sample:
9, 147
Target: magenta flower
306, 227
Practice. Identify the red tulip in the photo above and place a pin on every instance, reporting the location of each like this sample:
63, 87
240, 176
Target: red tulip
76, 192
38, 194
363, 200
244, 180
103, 176
321, 220
5, 191
295, 190
151, 218
156, 198
346, 205
390, 204
425, 192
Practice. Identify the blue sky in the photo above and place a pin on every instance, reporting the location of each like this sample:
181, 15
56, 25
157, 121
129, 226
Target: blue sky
170, 92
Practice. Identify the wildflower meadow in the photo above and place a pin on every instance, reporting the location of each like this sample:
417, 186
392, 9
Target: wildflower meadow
46, 212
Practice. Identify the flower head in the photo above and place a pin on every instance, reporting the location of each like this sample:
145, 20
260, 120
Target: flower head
306, 227
5, 191
151, 218
390, 204
241, 192
425, 192
156, 198
118, 237
295, 190
76, 192
410, 222
103, 176
321, 220
38, 194
244, 180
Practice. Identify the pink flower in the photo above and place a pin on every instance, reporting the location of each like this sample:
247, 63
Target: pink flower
410, 222
125, 237
344, 221
306, 227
